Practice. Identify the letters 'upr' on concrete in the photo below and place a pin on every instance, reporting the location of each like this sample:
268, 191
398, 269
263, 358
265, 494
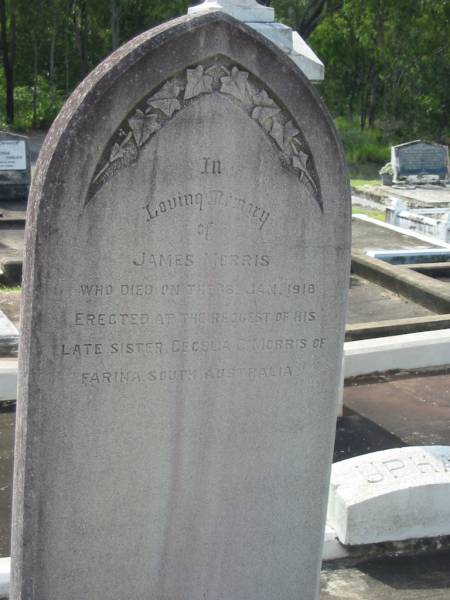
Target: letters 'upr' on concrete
181, 351
391, 495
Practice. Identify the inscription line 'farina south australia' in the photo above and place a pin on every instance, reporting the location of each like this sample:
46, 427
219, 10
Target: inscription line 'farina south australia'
184, 298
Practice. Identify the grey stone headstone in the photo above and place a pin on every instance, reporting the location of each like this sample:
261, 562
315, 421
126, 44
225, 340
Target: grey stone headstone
15, 166
420, 161
181, 350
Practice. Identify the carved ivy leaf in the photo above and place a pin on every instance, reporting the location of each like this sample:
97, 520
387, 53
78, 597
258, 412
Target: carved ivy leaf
217, 71
277, 132
197, 83
166, 100
236, 85
143, 126
117, 150
121, 153
299, 161
262, 98
296, 145
264, 110
290, 132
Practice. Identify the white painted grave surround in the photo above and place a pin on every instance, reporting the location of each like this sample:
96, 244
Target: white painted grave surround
262, 19
392, 495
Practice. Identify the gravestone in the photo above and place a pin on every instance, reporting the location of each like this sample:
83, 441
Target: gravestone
420, 161
15, 166
391, 495
181, 350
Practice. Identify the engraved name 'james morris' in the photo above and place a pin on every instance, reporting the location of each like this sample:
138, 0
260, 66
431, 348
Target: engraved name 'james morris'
207, 260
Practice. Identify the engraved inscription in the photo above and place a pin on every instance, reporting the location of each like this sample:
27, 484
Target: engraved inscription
186, 375
214, 199
286, 336
153, 112
211, 167
397, 469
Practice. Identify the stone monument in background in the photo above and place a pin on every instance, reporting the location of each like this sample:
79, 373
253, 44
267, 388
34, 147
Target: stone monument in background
15, 166
420, 162
185, 280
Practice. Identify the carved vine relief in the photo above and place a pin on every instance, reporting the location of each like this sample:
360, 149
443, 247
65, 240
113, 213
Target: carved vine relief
177, 93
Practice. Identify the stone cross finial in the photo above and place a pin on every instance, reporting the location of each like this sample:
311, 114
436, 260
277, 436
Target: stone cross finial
262, 18
244, 10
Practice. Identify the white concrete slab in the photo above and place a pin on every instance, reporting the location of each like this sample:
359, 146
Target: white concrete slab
393, 495
419, 236
5, 567
8, 379
332, 548
409, 351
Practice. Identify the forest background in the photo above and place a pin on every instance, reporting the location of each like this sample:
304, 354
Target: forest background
387, 61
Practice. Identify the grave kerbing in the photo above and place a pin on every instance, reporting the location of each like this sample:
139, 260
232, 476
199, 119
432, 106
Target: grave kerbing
181, 352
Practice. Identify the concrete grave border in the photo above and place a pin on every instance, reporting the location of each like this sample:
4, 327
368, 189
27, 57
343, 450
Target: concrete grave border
409, 486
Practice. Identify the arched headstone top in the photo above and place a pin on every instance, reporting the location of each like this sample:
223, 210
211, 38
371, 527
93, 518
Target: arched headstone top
278, 97
217, 76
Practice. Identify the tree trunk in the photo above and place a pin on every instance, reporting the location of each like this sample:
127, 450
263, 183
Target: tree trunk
84, 38
374, 88
51, 62
8, 52
35, 75
115, 24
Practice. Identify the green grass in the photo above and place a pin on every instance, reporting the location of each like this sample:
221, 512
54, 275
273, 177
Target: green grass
367, 146
363, 182
374, 214
6, 288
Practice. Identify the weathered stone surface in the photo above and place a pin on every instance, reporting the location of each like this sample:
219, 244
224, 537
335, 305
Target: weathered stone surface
15, 166
392, 495
420, 160
181, 351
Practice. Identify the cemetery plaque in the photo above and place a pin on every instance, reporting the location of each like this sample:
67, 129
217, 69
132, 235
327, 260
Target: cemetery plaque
14, 166
185, 282
420, 160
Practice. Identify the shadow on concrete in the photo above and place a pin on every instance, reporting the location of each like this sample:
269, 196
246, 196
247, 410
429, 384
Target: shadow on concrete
356, 435
411, 572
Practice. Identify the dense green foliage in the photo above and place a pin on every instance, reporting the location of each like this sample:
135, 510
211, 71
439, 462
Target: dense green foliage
388, 64
387, 61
